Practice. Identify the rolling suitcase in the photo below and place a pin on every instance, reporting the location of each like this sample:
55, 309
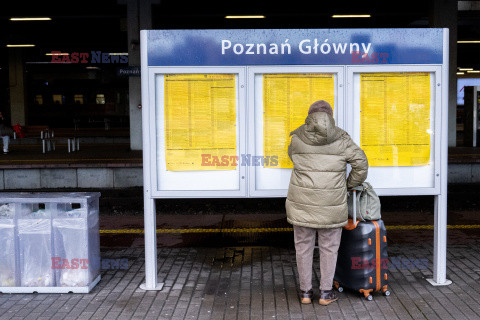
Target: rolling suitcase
362, 263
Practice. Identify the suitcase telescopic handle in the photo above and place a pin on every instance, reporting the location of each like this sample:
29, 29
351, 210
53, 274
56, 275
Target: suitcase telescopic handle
353, 224
354, 194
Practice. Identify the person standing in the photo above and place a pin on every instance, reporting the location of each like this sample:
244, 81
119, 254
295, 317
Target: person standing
317, 194
5, 132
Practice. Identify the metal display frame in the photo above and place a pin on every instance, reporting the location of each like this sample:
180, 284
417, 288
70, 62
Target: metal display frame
246, 73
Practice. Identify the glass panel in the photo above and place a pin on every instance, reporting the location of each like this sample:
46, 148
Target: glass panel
38, 99
281, 105
395, 127
461, 84
100, 99
57, 99
198, 138
200, 122
78, 98
286, 99
395, 118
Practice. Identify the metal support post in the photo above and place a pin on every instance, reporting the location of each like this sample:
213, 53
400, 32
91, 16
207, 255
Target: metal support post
150, 247
148, 200
440, 228
440, 243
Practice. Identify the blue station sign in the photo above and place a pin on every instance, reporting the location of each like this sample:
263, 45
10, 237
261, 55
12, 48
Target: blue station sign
235, 47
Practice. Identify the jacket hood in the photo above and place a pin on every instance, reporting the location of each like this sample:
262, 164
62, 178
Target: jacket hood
319, 129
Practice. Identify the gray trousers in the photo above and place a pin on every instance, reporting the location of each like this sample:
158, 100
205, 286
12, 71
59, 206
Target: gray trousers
328, 243
6, 140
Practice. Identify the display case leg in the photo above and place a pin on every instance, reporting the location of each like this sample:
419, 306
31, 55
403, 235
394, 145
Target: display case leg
150, 246
440, 243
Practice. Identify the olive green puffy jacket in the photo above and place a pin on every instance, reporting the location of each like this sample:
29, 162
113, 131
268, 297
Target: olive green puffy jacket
317, 194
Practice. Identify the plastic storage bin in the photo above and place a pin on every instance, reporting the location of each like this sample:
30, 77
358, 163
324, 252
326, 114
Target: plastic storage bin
75, 229
52, 241
35, 245
8, 262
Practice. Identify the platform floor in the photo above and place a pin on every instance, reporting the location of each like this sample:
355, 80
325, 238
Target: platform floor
262, 285
98, 155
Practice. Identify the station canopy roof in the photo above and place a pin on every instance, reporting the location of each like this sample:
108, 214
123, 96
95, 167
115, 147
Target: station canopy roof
102, 25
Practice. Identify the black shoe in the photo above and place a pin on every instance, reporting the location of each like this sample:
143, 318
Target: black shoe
306, 296
327, 297
5, 152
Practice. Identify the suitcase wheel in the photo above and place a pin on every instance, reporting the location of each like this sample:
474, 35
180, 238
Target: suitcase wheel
367, 294
337, 286
385, 290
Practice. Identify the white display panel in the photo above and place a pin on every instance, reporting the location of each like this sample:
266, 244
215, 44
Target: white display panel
422, 179
273, 182
200, 183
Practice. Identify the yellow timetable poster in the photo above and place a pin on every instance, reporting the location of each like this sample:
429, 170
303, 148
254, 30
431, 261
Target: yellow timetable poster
286, 99
395, 118
200, 122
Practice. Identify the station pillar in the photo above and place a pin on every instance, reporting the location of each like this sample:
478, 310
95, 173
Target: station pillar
17, 86
444, 14
139, 17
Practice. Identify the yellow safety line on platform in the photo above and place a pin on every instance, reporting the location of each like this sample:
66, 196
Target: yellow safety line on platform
264, 230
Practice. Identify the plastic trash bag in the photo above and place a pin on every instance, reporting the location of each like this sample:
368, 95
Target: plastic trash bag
74, 278
71, 250
7, 211
35, 246
94, 243
75, 213
7, 252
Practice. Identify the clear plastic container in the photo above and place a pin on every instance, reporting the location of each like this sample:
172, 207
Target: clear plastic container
94, 237
35, 246
49, 240
8, 261
70, 229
